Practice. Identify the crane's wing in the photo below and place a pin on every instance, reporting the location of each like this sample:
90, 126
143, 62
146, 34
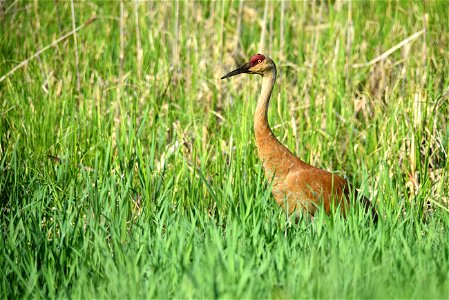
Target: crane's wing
316, 187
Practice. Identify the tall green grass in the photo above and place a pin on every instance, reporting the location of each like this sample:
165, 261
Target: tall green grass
145, 183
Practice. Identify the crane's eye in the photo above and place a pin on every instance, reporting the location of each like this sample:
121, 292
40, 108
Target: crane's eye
259, 61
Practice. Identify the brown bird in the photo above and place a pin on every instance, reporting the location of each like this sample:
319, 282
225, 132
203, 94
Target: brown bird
297, 186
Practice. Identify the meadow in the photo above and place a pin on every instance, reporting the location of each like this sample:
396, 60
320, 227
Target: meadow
128, 169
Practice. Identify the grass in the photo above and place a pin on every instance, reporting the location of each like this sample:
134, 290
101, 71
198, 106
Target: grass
144, 182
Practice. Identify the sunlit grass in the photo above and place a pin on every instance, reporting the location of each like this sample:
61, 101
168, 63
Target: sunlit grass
149, 185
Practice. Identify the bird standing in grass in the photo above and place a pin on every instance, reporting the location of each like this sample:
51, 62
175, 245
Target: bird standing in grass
297, 186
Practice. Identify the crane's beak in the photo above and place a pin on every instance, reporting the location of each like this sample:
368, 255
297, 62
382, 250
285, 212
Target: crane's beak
242, 69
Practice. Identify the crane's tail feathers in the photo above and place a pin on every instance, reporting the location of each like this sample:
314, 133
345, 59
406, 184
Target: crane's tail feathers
369, 208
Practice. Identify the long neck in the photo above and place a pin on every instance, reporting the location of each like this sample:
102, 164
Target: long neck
276, 158
261, 126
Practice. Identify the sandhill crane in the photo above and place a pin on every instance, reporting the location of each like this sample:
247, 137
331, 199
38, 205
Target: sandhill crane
297, 186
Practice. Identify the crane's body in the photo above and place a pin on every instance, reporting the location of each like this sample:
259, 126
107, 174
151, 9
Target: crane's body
296, 186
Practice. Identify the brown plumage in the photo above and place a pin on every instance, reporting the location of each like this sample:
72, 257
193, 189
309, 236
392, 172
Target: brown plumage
297, 186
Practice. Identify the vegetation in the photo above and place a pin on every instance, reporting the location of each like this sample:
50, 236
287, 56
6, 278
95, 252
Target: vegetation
128, 168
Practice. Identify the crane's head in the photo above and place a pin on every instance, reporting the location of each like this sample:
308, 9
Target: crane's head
258, 64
